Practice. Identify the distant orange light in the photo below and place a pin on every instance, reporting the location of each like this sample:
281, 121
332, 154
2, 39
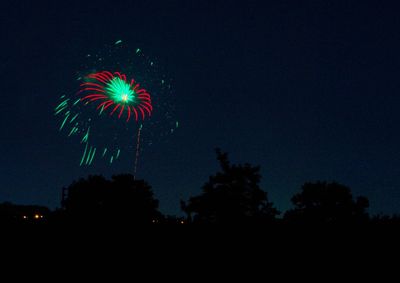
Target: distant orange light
37, 216
182, 222
25, 217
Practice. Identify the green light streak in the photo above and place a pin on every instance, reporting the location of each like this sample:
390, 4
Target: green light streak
73, 131
73, 118
64, 101
104, 152
83, 156
91, 159
118, 42
62, 104
111, 159
101, 110
77, 101
59, 111
62, 96
86, 137
58, 106
88, 156
120, 91
65, 120
118, 152
138, 50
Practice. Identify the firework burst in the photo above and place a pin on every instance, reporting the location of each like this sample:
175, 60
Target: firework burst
115, 94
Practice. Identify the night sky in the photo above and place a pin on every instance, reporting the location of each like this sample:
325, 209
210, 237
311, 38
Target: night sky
308, 90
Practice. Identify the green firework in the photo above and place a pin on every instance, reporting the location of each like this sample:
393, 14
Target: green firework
120, 91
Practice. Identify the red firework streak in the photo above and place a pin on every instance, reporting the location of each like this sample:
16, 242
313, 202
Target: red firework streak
99, 87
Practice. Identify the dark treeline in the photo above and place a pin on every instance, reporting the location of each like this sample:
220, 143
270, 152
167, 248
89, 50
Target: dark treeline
231, 196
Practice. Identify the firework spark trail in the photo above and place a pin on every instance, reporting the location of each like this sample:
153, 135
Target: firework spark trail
137, 151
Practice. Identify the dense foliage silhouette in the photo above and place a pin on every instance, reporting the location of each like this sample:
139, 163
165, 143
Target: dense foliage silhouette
122, 198
233, 195
323, 202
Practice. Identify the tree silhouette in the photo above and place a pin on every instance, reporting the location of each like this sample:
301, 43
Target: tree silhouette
123, 199
323, 202
231, 196
84, 199
133, 199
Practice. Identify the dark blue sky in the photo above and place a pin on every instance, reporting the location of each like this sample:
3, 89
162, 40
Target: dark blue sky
309, 90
